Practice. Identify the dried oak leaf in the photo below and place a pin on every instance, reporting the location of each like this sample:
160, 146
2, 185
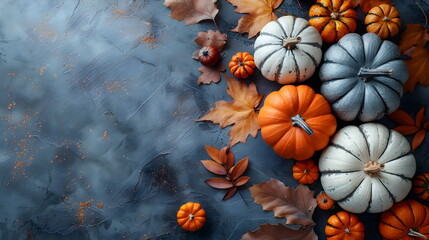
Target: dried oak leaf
418, 67
240, 113
192, 11
366, 5
260, 12
280, 232
408, 126
210, 74
414, 34
296, 205
216, 39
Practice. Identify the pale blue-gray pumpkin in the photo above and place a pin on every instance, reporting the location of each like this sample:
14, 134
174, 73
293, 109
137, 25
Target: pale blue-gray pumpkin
288, 50
362, 77
367, 168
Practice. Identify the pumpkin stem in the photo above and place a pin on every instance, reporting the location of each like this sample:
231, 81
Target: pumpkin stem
290, 42
191, 217
298, 121
372, 167
367, 72
386, 19
347, 230
335, 15
413, 233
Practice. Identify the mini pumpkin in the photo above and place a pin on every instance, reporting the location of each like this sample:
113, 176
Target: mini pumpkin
242, 65
305, 172
296, 121
288, 50
333, 18
383, 20
191, 216
324, 201
406, 220
362, 77
344, 225
209, 56
367, 168
421, 186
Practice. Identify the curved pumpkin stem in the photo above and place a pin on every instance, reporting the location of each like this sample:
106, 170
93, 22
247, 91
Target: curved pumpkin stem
367, 72
335, 15
413, 233
298, 121
372, 167
290, 42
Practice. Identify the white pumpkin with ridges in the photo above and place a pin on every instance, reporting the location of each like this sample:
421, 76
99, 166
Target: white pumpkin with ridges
367, 168
288, 50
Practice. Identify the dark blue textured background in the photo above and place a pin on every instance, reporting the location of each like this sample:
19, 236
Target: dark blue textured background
98, 104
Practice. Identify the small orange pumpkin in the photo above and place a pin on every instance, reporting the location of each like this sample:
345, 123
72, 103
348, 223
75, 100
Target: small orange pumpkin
421, 186
406, 220
324, 202
305, 172
242, 65
191, 216
383, 20
344, 225
333, 18
296, 121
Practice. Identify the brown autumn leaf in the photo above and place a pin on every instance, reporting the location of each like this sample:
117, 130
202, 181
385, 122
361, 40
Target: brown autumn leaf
214, 167
210, 74
418, 67
239, 168
280, 232
260, 12
219, 183
408, 126
296, 205
216, 39
241, 112
192, 11
241, 181
414, 34
230, 193
214, 153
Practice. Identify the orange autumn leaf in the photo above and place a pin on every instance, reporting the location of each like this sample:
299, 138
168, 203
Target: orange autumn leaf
192, 11
241, 112
210, 74
418, 67
408, 126
212, 38
414, 34
260, 12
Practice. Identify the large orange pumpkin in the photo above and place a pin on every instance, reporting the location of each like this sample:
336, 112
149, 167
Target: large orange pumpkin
333, 19
406, 220
383, 20
296, 121
191, 216
344, 226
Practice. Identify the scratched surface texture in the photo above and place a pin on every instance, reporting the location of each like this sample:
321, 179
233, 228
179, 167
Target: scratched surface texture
98, 138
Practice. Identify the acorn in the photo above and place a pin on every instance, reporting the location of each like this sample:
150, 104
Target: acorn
209, 56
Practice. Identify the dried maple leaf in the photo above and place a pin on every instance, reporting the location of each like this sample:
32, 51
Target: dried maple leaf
408, 126
280, 232
241, 111
192, 11
216, 39
296, 205
418, 67
414, 34
260, 12
210, 74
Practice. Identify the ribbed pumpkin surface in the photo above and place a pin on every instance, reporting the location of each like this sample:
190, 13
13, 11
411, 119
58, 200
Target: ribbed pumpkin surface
294, 62
346, 169
383, 20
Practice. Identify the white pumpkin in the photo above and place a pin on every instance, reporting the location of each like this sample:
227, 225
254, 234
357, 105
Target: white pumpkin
288, 50
367, 168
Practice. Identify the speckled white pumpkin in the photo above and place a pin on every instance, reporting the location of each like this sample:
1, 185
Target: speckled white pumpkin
367, 168
362, 77
288, 50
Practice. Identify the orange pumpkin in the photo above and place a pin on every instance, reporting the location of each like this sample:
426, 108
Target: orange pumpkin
324, 201
406, 220
305, 172
421, 186
296, 121
344, 226
242, 65
333, 18
383, 20
191, 216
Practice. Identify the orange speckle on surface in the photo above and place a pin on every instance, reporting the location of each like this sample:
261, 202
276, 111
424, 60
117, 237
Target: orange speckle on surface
100, 205
42, 70
11, 74
19, 164
104, 135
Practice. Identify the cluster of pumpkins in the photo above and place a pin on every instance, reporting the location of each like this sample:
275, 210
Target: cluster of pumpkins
366, 168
